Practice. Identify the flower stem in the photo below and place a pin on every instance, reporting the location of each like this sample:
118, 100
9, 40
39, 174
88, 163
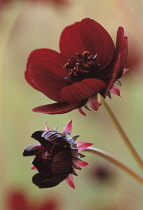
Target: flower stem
116, 162
123, 135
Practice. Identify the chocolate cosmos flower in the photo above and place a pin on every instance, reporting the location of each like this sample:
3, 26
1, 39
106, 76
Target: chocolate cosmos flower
88, 64
56, 156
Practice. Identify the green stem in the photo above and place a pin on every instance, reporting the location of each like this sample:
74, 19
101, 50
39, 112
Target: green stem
116, 162
123, 135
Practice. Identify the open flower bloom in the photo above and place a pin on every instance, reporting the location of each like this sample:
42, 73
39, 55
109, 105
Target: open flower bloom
87, 66
56, 156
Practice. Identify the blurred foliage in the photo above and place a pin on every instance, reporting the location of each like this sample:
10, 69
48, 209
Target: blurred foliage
25, 27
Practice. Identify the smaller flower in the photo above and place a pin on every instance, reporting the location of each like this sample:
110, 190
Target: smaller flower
56, 156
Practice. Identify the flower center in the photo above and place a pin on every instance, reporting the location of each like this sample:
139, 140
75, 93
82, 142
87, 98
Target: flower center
82, 65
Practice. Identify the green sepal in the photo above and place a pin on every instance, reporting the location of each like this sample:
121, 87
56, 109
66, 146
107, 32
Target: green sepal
118, 82
85, 105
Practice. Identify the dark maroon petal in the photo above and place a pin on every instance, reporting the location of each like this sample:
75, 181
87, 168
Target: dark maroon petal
57, 108
47, 82
51, 59
70, 40
121, 40
43, 181
42, 165
121, 48
62, 163
50, 137
28, 79
54, 138
116, 68
32, 150
80, 91
38, 136
87, 35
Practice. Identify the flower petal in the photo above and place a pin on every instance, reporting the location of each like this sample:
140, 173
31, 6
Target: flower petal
83, 145
32, 150
46, 81
51, 59
28, 79
70, 182
67, 128
87, 35
116, 68
57, 108
80, 91
122, 47
80, 163
43, 181
62, 163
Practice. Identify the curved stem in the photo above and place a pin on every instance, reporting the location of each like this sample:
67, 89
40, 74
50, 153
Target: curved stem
116, 162
123, 135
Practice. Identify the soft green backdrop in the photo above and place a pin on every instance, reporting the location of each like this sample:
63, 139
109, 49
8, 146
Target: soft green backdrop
25, 27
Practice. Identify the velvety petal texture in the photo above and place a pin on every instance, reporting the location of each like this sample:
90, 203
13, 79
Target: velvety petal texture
57, 108
80, 91
88, 65
87, 35
56, 156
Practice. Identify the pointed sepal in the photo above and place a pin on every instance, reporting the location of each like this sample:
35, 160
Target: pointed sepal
70, 181
83, 145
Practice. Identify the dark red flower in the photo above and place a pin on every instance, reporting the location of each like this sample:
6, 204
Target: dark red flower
57, 156
88, 64
17, 199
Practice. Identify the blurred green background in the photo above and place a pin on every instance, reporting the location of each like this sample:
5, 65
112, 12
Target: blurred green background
25, 26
